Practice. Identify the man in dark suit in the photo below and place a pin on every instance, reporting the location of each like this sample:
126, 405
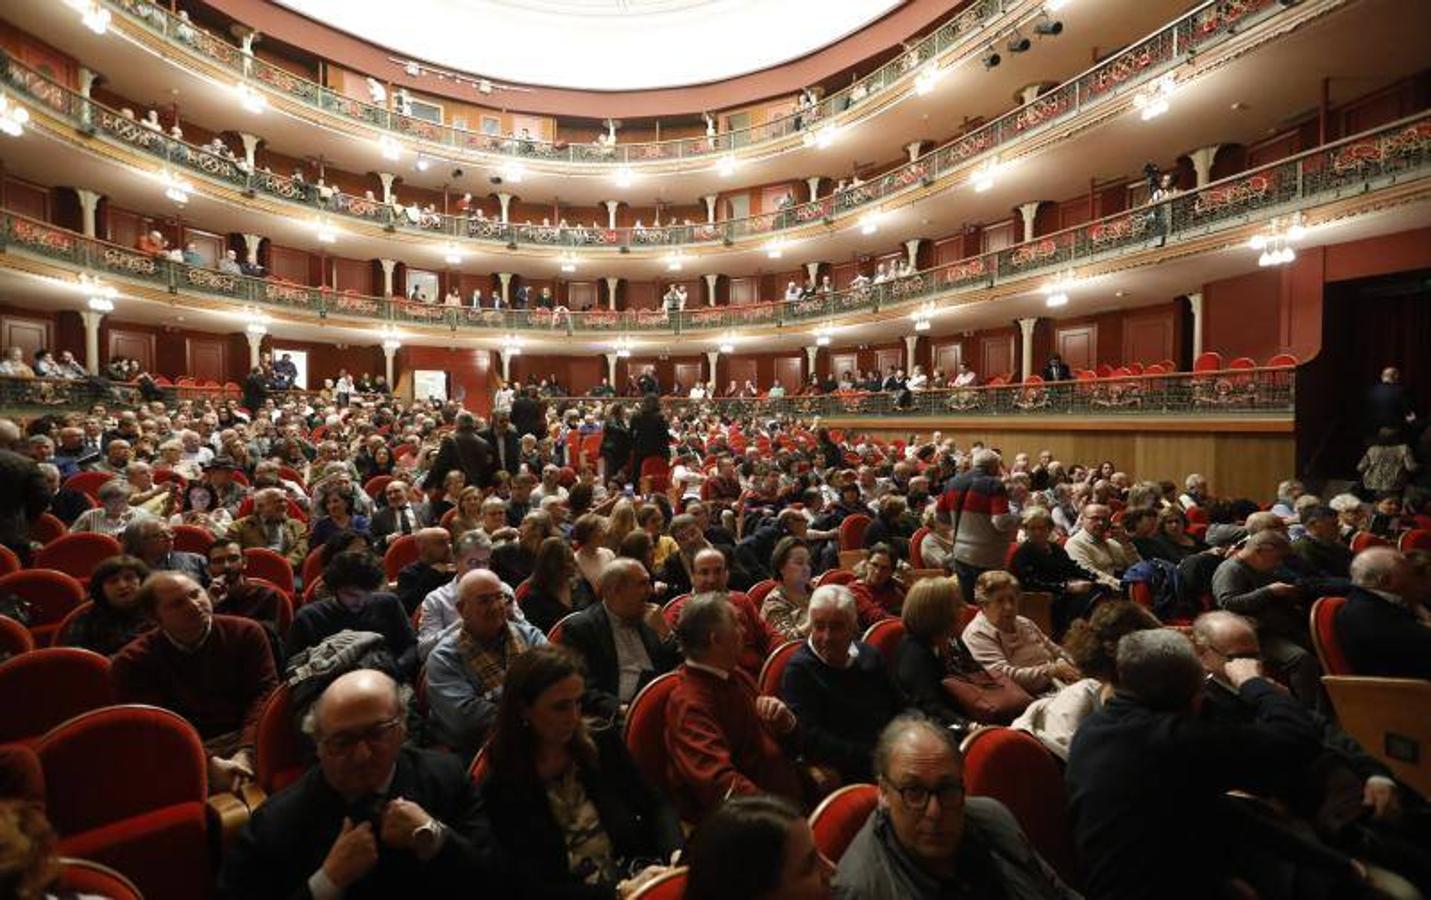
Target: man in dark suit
1378, 627
464, 449
504, 442
1388, 404
397, 518
372, 819
527, 414
1057, 369
624, 639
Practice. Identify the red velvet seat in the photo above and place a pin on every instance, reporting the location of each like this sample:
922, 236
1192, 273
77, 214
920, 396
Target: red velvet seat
85, 877
1196, 515
48, 686
1365, 540
193, 539
774, 667
264, 563
51, 596
1324, 636
14, 638
659, 471
481, 766
1282, 360
885, 636
1209, 361
916, 557
667, 886
554, 635
373, 487
281, 752
126, 787
852, 531
645, 729
292, 475
400, 553
758, 591
88, 483
77, 554
840, 816
61, 637
9, 562
1015, 769
835, 576
1415, 539
313, 566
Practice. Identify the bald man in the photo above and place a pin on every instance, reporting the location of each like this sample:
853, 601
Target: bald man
430, 571
374, 818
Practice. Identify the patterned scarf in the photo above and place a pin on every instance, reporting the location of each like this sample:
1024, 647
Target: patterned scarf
488, 665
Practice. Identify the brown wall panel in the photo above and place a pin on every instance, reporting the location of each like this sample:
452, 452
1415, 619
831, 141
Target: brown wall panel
1078, 345
208, 359
137, 345
27, 333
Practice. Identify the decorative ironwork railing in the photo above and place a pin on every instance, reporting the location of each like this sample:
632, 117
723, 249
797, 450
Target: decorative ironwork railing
1370, 161
1139, 64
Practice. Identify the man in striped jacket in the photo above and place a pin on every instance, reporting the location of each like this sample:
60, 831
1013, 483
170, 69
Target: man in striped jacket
978, 507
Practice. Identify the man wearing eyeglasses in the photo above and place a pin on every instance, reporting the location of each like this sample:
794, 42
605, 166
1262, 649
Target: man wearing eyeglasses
927, 841
373, 819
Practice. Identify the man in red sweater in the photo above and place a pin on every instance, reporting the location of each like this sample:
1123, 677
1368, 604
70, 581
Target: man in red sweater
721, 739
709, 573
215, 671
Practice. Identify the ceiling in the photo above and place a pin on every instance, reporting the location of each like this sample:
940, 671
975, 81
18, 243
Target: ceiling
604, 45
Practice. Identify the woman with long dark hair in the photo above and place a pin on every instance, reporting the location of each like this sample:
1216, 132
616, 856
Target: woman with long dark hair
114, 617
756, 848
616, 442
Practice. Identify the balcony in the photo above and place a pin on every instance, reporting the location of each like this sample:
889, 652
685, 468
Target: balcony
1361, 174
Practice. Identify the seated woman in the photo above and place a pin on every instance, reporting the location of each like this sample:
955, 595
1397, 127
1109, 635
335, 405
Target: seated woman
469, 512
198, 509
567, 804
1043, 566
931, 651
551, 593
453, 485
759, 848
786, 609
1003, 641
338, 516
1173, 532
652, 521
1092, 644
114, 619
936, 549
114, 514
877, 580
588, 533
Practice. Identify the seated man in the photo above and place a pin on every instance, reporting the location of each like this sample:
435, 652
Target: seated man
1093, 549
355, 603
397, 518
838, 688
430, 571
721, 739
1247, 583
623, 639
926, 840
1147, 780
1382, 628
215, 671
676, 571
152, 540
438, 614
709, 573
233, 594
1320, 549
269, 526
374, 818
466, 669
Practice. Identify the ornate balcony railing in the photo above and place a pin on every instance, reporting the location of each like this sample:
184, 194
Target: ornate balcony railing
961, 32
1367, 162
1142, 62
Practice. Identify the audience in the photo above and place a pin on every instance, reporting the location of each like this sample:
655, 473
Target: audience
430, 571
353, 580
1012, 645
269, 526
786, 609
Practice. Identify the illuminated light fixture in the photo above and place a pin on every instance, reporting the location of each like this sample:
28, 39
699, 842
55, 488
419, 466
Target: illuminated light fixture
392, 340
412, 69
725, 167
512, 345
13, 117
1048, 28
1056, 292
774, 249
822, 336
99, 296
250, 99
1018, 43
675, 262
624, 177
257, 328
726, 347
1056, 299
623, 347
925, 81
826, 136
1055, 5
922, 317
326, 233
869, 222
175, 188
452, 254
983, 177
422, 163
991, 59
100, 304
1275, 242
568, 262
1152, 101
513, 172
389, 147
95, 17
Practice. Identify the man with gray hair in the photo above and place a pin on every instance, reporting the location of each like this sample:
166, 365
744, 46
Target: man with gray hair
269, 526
151, 540
1147, 780
438, 613
1382, 627
978, 507
465, 450
1247, 583
927, 840
838, 687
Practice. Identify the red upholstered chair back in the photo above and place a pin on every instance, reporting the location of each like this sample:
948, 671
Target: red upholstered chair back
669, 886
88, 482
1141, 594
758, 591
91, 878
281, 752
916, 557
50, 594
554, 635
14, 638
480, 767
1211, 361
77, 554
885, 636
1415, 539
47, 529
840, 816
1196, 515
836, 576
61, 637
1015, 769
313, 566
400, 552
645, 729
658, 470
1282, 360
1364, 540
774, 667
373, 487
48, 686
1324, 636
292, 475
9, 562
264, 563
852, 531
193, 539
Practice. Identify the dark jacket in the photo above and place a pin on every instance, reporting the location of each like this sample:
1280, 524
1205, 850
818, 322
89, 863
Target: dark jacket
416, 580
382, 614
841, 711
640, 822
1323, 559
384, 524
511, 449
466, 450
919, 674
106, 630
650, 435
589, 633
527, 417
1057, 371
288, 837
616, 441
1381, 638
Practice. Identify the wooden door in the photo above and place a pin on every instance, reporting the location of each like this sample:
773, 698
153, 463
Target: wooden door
740, 371
1148, 339
889, 358
998, 356
1078, 345
947, 358
26, 333
688, 373
788, 371
207, 359
840, 363
208, 245
744, 291
137, 345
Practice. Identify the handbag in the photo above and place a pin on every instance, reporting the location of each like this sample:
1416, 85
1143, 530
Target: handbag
989, 698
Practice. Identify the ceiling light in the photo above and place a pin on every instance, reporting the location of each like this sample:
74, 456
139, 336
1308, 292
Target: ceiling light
412, 69
727, 347
675, 262
175, 188
389, 147
1056, 291
925, 81
423, 163
250, 99
513, 172
95, 17
512, 345
257, 328
623, 347
13, 117
822, 340
101, 304
1152, 101
869, 223
326, 233
624, 177
991, 59
983, 177
1055, 5
922, 317
825, 136
775, 248
568, 262
725, 167
392, 339
1049, 28
1275, 241
1018, 43
1057, 299
452, 254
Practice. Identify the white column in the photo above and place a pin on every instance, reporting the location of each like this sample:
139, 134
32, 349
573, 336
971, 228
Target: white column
712, 360
813, 183
612, 283
1029, 211
506, 279
911, 251
506, 363
1026, 363
711, 288
87, 78
251, 243
611, 368
390, 349
506, 201
912, 148
91, 321
255, 343
89, 204
811, 351
1195, 304
1029, 92
911, 343
812, 271
1202, 159
387, 179
389, 266
710, 207
250, 148
611, 212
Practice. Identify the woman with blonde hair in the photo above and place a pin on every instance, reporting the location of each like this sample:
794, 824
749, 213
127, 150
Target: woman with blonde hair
931, 649
588, 533
469, 512
1003, 641
621, 523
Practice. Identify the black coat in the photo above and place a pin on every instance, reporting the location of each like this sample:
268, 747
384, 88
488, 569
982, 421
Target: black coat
919, 674
589, 633
512, 449
527, 417
255, 391
288, 837
616, 442
637, 818
1382, 639
1057, 372
464, 449
650, 435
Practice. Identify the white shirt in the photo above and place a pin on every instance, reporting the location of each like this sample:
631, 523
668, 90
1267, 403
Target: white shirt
631, 657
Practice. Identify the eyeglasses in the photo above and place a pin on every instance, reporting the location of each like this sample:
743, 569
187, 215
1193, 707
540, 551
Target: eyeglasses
372, 736
916, 796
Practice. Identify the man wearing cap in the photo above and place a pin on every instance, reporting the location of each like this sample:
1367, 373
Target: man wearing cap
228, 493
